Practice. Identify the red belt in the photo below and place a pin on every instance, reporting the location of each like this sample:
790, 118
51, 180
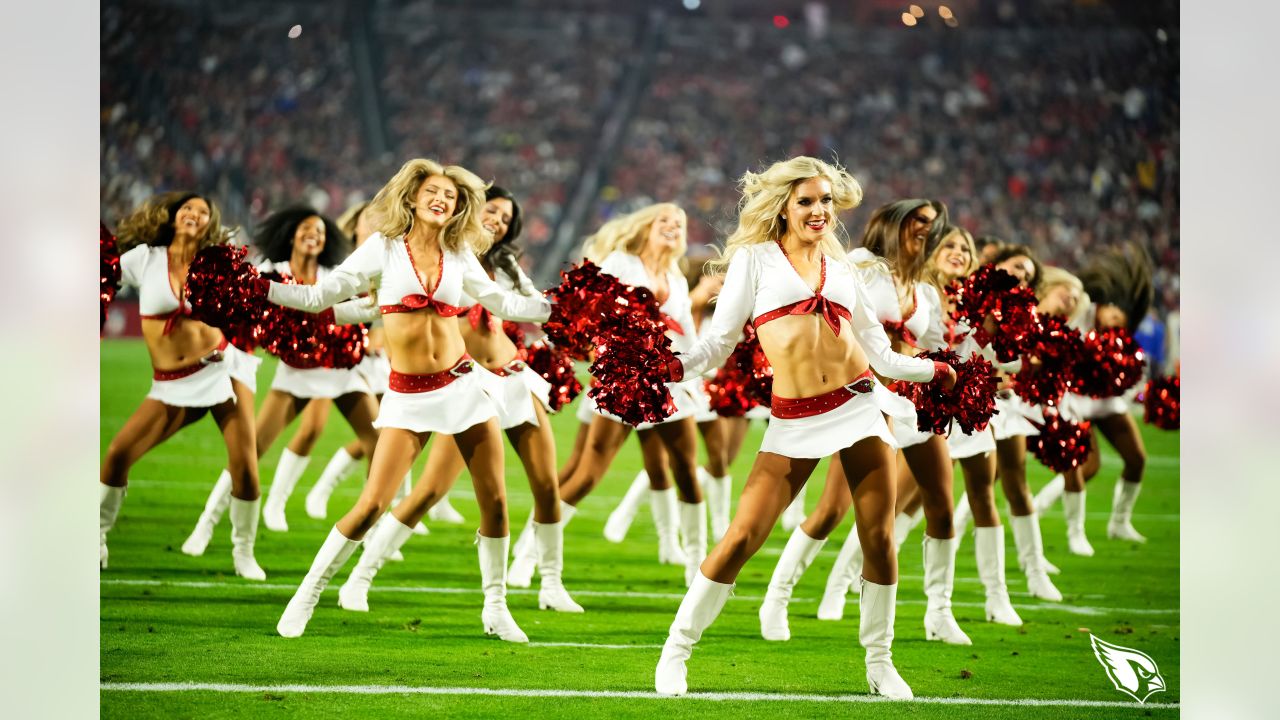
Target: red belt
188, 370
404, 383
792, 408
514, 367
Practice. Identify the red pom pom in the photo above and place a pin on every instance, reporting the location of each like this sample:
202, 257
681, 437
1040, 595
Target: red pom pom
1061, 444
556, 367
310, 340
1110, 363
745, 381
225, 293
990, 291
1057, 347
584, 298
970, 403
1162, 404
108, 271
633, 355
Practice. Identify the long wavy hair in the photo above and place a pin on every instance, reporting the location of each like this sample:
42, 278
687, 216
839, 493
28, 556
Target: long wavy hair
630, 232
393, 205
1011, 250
883, 236
1054, 277
506, 243
274, 236
931, 273
350, 217
152, 223
765, 195
1121, 276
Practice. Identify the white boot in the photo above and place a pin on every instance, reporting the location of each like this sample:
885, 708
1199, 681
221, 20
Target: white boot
794, 514
387, 536
693, 526
619, 522
939, 579
663, 505
1026, 537
493, 580
109, 501
960, 519
989, 549
340, 466
1049, 494
524, 557
214, 506
848, 567
876, 610
903, 524
289, 469
719, 492
244, 529
550, 541
700, 607
1120, 526
1073, 507
796, 557
445, 513
333, 555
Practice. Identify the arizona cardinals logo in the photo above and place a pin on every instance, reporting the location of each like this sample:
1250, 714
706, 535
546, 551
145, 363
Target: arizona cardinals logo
1132, 672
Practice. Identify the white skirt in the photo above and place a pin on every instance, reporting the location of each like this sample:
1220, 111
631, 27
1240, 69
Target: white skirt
461, 404
759, 412
206, 387
702, 412
962, 445
1014, 417
318, 382
819, 436
242, 366
682, 394
376, 370
906, 427
515, 395
1077, 408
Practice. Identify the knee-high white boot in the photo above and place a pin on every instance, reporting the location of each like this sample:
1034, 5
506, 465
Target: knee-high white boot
847, 568
719, 492
989, 549
700, 607
214, 506
443, 512
339, 468
794, 514
663, 505
244, 529
1120, 527
876, 610
939, 579
619, 522
109, 501
550, 541
493, 580
385, 538
1073, 508
1049, 494
289, 469
524, 555
796, 557
960, 519
1026, 537
332, 555
693, 526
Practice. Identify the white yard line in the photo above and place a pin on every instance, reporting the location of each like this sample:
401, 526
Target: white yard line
1050, 607
594, 646
610, 694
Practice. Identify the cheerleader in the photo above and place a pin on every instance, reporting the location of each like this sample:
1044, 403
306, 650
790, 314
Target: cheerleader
423, 254
195, 369
1116, 292
788, 275
898, 239
524, 401
643, 249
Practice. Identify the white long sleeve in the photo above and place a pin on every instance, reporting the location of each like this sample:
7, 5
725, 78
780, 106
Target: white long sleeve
733, 310
352, 277
880, 353
356, 311
503, 303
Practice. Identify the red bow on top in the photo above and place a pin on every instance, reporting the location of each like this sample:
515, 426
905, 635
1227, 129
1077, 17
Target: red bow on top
417, 302
900, 329
479, 315
171, 318
820, 305
672, 324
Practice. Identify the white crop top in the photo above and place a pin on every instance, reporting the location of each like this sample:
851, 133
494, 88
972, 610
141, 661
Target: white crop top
925, 322
146, 267
762, 284
630, 270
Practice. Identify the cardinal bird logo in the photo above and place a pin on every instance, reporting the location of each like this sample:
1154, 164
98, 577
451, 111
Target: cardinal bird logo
1133, 672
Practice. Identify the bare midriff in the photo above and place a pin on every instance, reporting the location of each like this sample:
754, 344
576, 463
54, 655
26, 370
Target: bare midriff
491, 348
186, 343
422, 342
808, 359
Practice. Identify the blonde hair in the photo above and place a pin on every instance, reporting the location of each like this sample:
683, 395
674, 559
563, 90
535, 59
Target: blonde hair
931, 272
393, 205
348, 220
765, 195
152, 224
630, 232
1056, 277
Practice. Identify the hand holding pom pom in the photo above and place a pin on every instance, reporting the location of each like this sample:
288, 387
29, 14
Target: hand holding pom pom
964, 393
1003, 312
227, 293
744, 382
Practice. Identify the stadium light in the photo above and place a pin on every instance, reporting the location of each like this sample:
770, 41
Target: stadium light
945, 12
692, 4
780, 21
916, 11
908, 19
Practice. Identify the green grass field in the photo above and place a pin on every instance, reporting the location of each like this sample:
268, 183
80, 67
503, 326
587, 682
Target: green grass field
168, 619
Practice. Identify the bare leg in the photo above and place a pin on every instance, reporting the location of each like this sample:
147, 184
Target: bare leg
834, 503
604, 438
1011, 466
314, 418
536, 447
444, 466
979, 480
235, 419
868, 469
930, 463
1121, 431
653, 455
715, 439
772, 484
737, 432
575, 455
397, 449
151, 424
681, 442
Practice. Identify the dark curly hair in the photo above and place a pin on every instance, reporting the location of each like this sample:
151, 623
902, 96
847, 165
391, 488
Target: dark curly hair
274, 236
1121, 276
506, 244
152, 223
